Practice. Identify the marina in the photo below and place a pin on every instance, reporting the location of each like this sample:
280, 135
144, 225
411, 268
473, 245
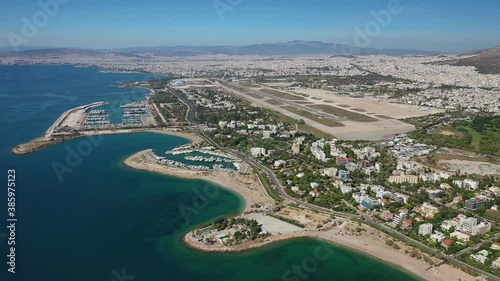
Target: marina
97, 118
134, 114
178, 164
207, 159
202, 157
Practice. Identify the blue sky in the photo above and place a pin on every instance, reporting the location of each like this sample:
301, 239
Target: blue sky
438, 25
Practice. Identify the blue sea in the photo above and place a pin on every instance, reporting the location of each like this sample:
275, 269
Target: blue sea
99, 220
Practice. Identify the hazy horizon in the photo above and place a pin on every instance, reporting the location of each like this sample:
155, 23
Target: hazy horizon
26, 48
449, 26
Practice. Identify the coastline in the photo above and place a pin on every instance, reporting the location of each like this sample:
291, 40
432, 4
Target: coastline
247, 187
370, 242
43, 142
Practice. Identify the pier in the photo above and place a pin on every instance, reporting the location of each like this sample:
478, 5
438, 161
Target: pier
61, 120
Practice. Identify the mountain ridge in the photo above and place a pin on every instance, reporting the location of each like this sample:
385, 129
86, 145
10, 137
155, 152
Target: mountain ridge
485, 61
297, 47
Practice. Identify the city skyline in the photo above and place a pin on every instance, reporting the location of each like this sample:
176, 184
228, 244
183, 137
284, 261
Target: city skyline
449, 26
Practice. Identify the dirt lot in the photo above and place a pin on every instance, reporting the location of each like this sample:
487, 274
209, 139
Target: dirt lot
471, 167
273, 225
307, 218
453, 160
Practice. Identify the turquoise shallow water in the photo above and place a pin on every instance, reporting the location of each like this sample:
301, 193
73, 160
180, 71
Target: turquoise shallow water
103, 218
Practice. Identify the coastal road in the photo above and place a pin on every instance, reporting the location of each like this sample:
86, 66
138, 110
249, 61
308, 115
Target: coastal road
191, 107
274, 181
281, 192
190, 117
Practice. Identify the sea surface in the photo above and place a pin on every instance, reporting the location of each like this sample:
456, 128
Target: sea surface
83, 216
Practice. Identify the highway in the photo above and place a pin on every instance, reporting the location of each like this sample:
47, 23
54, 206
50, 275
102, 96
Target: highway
191, 107
190, 117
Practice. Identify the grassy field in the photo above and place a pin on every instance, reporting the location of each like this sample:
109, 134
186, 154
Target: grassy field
313, 117
252, 94
248, 93
248, 84
476, 137
311, 130
281, 95
358, 109
344, 113
274, 102
479, 135
450, 132
303, 127
384, 117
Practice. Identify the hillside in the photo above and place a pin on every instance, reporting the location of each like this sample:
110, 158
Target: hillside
486, 62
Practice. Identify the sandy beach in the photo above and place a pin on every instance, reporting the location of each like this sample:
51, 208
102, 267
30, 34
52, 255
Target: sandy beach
247, 186
369, 241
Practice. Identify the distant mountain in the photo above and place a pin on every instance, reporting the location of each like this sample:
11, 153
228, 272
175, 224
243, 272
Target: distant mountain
49, 52
288, 48
486, 61
6, 49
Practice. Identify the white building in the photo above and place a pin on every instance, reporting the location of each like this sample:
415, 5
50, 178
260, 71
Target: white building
258, 151
398, 219
428, 211
437, 237
481, 228
279, 163
495, 263
425, 229
317, 150
345, 188
464, 237
481, 256
468, 224
448, 224
467, 184
330, 172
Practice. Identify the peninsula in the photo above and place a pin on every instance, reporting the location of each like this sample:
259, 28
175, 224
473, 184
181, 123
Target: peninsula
340, 231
